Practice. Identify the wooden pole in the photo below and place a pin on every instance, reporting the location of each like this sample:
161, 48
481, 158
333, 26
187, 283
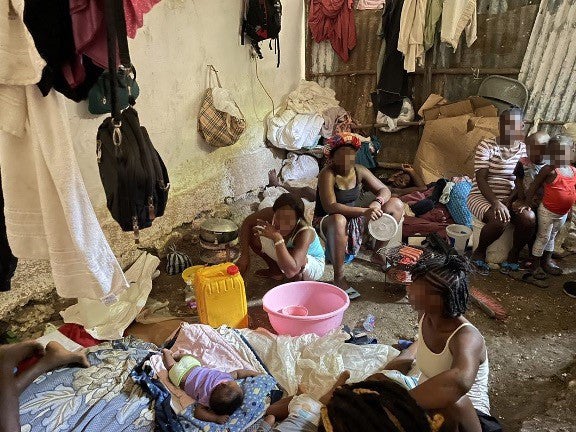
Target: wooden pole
445, 71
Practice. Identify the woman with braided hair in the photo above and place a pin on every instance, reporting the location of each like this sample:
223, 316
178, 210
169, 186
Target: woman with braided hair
450, 352
375, 406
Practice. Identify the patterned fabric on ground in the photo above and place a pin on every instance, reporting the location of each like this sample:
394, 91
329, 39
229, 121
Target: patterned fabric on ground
100, 398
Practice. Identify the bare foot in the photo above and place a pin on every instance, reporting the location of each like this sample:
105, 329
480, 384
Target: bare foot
270, 419
273, 179
57, 356
270, 274
342, 283
168, 359
342, 378
11, 355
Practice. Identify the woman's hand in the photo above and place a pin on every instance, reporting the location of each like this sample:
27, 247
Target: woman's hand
266, 229
372, 213
501, 212
408, 168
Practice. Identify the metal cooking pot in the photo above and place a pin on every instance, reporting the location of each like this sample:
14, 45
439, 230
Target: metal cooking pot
218, 231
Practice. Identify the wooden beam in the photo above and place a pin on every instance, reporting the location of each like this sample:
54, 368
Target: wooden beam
446, 71
423, 122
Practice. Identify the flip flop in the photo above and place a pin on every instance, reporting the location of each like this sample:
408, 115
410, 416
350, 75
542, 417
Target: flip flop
481, 267
352, 293
507, 267
529, 278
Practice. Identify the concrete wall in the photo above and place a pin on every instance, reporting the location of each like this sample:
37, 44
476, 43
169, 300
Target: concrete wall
171, 51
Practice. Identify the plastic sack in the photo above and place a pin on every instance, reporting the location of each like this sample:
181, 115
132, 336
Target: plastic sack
299, 167
109, 322
316, 361
292, 131
406, 114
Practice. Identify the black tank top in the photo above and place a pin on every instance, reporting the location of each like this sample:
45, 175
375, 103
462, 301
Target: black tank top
343, 196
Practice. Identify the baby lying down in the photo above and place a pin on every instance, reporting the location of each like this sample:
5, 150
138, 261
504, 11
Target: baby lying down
217, 393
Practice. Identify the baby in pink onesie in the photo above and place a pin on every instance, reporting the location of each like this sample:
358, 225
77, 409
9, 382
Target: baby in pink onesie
217, 393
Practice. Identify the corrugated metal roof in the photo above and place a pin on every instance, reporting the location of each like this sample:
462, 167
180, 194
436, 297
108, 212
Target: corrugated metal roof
549, 67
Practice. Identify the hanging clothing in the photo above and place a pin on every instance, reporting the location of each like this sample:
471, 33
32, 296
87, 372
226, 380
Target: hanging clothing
457, 16
135, 11
8, 261
370, 4
48, 212
68, 72
333, 20
433, 14
411, 41
17, 49
393, 79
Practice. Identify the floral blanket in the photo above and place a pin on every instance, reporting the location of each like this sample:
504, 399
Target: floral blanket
101, 398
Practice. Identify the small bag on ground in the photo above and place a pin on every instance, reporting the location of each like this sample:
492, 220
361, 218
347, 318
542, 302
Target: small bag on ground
220, 121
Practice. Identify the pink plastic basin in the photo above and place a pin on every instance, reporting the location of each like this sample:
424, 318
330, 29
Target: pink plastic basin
326, 305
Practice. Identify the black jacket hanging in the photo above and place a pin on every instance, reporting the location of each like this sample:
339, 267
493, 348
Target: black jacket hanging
393, 83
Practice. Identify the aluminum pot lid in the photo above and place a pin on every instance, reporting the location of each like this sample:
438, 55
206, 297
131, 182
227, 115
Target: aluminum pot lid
219, 225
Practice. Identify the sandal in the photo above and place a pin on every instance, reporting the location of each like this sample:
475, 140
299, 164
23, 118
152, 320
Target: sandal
481, 267
507, 267
539, 274
352, 293
530, 279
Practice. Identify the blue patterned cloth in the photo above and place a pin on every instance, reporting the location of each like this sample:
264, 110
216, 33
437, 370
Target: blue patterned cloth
101, 398
457, 205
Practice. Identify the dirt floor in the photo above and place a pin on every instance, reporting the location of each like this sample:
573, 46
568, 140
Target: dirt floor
532, 353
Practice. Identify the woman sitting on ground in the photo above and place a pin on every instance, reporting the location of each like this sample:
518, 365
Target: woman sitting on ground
337, 218
282, 237
493, 192
450, 352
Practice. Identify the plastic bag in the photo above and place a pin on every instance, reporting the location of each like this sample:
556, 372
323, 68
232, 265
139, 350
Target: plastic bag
299, 167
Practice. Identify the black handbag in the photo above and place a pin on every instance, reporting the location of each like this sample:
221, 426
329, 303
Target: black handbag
127, 92
133, 174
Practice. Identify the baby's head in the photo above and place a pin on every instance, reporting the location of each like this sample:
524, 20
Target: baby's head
537, 144
226, 398
561, 149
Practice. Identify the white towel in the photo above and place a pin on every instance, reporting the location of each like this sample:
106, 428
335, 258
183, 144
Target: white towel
21, 64
48, 211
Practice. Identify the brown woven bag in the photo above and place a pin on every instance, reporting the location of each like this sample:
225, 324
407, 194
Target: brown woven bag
218, 128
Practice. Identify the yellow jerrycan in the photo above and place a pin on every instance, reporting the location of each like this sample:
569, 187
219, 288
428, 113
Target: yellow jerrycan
221, 296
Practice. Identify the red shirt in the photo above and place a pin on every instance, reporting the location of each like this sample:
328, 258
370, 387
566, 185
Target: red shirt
560, 195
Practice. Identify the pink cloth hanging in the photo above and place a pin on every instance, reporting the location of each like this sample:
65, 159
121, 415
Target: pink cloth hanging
135, 11
333, 20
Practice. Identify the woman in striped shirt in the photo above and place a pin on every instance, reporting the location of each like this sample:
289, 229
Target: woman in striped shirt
497, 194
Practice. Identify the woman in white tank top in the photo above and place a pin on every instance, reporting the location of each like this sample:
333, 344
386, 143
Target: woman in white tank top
450, 352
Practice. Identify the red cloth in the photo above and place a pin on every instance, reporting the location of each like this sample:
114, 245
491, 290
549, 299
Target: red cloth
560, 195
77, 333
417, 226
333, 20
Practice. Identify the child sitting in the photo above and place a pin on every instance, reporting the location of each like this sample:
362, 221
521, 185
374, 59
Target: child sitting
559, 182
216, 392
